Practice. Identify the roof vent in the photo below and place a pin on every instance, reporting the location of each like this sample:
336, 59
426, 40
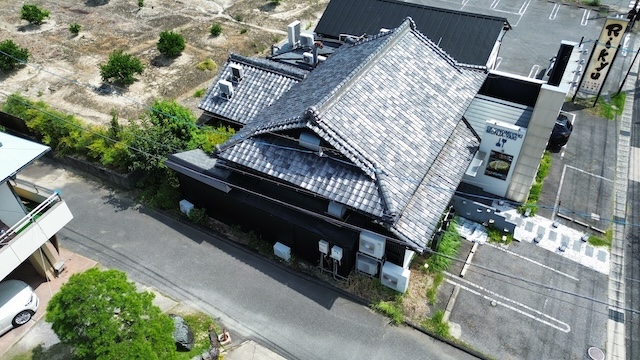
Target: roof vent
309, 141
293, 31
236, 72
384, 31
306, 40
226, 89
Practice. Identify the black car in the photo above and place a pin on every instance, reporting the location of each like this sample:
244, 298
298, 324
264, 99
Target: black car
561, 132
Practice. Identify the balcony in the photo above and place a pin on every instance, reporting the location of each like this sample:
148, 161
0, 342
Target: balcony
45, 213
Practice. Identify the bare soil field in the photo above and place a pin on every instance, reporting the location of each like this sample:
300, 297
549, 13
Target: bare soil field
63, 69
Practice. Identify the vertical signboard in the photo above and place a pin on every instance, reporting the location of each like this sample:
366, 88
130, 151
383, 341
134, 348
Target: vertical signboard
602, 56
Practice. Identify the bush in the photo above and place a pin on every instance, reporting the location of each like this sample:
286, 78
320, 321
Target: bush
15, 55
199, 93
74, 28
140, 3
199, 216
243, 30
239, 17
33, 14
171, 44
207, 64
216, 29
121, 67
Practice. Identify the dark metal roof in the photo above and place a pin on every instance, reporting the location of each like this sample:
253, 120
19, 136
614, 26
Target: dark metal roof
392, 105
469, 38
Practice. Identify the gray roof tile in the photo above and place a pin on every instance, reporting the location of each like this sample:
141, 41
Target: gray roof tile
392, 105
264, 81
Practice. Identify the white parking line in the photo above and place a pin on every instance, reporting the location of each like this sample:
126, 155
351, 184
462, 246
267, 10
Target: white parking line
533, 262
585, 17
588, 173
554, 12
534, 71
530, 312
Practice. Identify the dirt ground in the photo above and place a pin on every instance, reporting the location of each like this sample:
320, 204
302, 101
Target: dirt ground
63, 69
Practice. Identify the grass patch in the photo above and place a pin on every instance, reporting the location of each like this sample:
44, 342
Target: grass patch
432, 292
447, 247
207, 64
592, 2
604, 241
536, 188
496, 235
605, 108
199, 324
199, 93
437, 325
392, 309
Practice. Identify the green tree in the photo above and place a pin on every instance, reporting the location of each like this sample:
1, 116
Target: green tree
103, 316
170, 43
33, 14
12, 55
121, 67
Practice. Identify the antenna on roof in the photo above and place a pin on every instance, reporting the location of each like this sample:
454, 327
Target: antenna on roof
226, 89
237, 73
293, 32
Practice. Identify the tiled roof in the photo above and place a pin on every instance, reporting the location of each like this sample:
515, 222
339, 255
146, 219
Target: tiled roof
468, 37
392, 106
264, 81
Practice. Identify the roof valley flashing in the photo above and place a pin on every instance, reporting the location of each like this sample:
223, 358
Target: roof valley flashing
393, 106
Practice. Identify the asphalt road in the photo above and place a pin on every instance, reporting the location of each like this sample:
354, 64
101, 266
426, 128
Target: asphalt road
632, 249
255, 299
530, 319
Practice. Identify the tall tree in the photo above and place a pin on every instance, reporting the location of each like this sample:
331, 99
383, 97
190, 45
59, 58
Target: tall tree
121, 68
103, 316
171, 44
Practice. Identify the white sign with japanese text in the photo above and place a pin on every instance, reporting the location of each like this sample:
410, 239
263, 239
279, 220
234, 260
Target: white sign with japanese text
603, 55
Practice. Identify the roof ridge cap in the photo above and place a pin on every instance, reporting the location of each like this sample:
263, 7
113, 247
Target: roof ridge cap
269, 65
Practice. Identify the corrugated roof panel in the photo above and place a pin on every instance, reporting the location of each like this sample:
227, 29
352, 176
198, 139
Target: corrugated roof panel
16, 154
485, 108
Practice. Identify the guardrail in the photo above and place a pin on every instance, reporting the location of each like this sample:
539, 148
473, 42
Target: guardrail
7, 235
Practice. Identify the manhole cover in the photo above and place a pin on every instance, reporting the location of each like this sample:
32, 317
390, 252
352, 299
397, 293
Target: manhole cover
595, 353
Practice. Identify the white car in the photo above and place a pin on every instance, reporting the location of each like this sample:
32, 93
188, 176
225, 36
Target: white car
18, 303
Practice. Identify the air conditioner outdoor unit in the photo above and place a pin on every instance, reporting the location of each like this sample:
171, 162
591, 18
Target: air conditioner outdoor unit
323, 246
395, 277
306, 40
226, 88
366, 265
307, 57
293, 32
336, 253
236, 72
282, 251
372, 244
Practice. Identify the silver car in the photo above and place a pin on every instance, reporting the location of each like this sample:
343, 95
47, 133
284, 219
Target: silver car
18, 303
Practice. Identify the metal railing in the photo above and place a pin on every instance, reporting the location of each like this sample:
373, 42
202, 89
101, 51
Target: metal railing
7, 235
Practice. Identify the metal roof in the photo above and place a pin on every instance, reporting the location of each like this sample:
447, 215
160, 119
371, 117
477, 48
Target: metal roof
469, 38
485, 108
16, 154
392, 105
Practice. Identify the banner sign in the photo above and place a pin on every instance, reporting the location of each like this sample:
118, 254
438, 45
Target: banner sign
603, 54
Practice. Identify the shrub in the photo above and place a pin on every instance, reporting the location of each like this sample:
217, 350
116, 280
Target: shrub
243, 30
199, 93
33, 14
392, 309
121, 67
15, 55
171, 44
207, 64
74, 28
216, 29
140, 3
239, 17
199, 216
